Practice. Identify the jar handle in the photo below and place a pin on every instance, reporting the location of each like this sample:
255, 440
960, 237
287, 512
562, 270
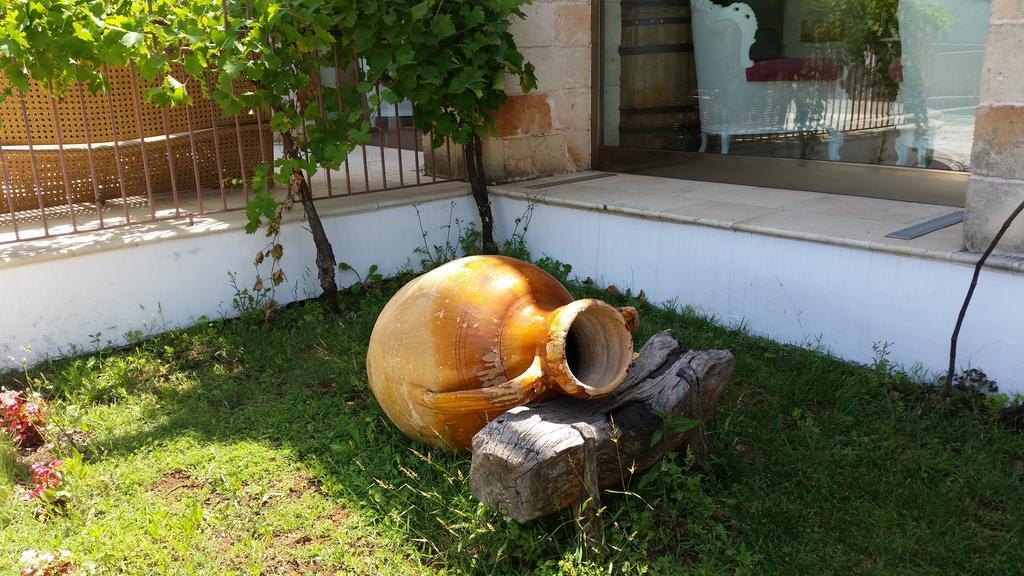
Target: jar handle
630, 318
499, 397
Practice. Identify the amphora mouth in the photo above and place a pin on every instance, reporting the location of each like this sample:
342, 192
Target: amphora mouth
588, 349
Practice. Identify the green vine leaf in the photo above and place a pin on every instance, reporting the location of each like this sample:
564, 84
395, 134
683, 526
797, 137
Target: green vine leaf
132, 39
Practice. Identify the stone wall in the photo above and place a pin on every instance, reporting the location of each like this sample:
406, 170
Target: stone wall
997, 179
546, 131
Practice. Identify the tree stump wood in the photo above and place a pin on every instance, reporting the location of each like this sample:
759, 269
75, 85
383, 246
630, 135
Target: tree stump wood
537, 459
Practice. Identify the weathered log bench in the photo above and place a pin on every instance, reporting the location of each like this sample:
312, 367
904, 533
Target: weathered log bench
537, 459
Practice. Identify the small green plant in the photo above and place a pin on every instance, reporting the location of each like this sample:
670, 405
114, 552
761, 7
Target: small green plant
515, 245
972, 392
471, 240
467, 241
804, 418
671, 425
134, 336
247, 302
79, 378
368, 283
560, 270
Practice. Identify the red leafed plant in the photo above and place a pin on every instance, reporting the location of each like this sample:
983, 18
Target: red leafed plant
23, 417
46, 480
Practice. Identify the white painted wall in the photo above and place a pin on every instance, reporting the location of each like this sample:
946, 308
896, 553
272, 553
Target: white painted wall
793, 291
844, 299
80, 303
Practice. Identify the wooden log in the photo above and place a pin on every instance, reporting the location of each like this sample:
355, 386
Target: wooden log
588, 507
531, 461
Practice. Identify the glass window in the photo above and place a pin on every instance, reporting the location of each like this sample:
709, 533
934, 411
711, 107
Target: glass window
882, 82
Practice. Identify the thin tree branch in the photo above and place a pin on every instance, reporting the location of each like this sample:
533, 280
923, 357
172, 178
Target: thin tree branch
948, 386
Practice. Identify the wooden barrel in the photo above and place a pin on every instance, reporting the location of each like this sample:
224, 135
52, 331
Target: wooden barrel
658, 108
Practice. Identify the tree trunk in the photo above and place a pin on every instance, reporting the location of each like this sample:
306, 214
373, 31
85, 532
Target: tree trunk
478, 184
537, 459
325, 261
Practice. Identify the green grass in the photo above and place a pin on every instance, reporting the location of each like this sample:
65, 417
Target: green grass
11, 470
226, 448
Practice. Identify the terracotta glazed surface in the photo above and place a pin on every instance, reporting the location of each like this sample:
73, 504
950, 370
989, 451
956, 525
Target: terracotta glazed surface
461, 344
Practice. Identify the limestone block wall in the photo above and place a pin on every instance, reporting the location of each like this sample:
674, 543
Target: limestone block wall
547, 131
997, 179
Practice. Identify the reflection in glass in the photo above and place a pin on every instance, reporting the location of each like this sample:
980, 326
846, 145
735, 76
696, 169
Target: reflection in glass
738, 96
869, 81
942, 43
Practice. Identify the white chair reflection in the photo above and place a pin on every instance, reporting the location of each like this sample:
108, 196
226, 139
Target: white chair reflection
738, 96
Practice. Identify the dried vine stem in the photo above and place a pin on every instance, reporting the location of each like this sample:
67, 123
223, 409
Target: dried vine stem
948, 386
275, 251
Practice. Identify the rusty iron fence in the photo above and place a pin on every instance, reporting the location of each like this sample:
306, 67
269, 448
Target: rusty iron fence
87, 162
870, 106
865, 107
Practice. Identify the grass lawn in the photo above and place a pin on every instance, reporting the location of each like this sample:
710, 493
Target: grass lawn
228, 449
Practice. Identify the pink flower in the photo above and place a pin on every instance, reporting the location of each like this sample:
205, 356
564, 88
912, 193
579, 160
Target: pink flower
22, 417
45, 476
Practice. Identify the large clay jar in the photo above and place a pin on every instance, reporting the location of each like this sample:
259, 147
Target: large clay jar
461, 344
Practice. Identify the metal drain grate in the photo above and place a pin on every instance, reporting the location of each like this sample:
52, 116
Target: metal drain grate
571, 180
918, 230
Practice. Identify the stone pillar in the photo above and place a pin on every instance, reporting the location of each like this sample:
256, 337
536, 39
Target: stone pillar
997, 180
547, 131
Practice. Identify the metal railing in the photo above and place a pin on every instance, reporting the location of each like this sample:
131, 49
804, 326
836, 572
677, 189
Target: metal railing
90, 162
863, 105
869, 106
